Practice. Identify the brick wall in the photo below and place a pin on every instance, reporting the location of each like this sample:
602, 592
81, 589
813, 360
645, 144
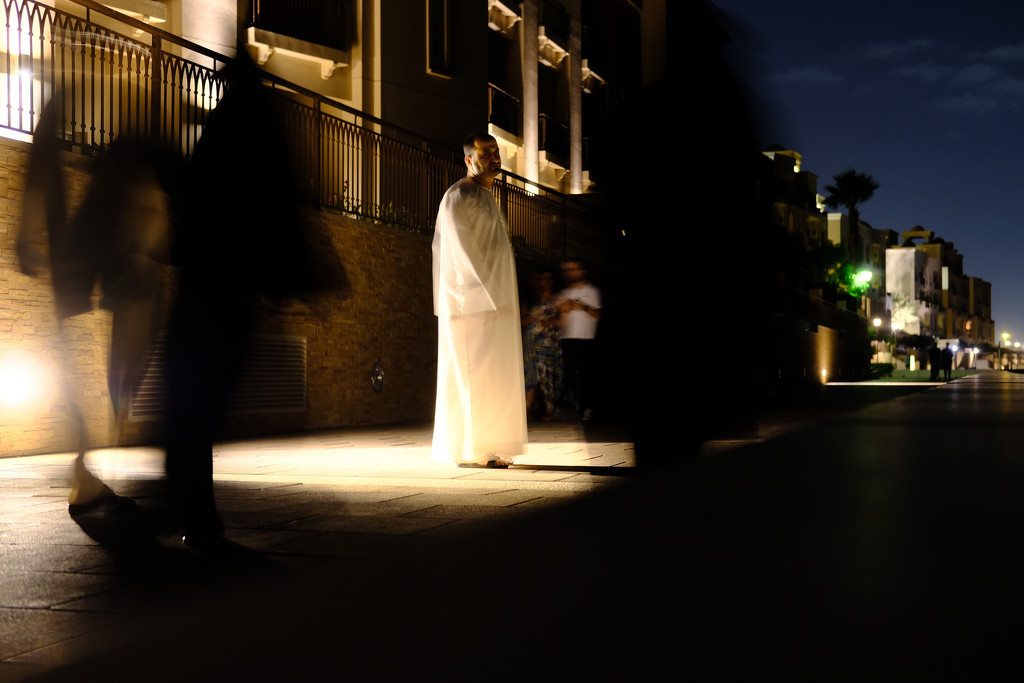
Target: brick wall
384, 316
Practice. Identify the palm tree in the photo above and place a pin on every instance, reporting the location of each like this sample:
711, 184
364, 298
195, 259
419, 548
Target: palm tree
852, 188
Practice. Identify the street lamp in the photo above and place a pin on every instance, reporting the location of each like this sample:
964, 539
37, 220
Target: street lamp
877, 322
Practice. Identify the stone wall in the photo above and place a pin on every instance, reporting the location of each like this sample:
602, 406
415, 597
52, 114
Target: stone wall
384, 315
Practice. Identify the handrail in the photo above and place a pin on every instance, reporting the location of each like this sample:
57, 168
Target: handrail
274, 79
152, 30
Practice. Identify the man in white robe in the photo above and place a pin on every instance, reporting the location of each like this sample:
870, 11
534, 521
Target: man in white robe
480, 415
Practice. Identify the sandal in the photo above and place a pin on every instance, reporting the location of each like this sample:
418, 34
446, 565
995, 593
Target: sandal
498, 461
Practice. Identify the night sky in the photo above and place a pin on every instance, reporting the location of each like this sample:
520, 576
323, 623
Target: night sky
928, 98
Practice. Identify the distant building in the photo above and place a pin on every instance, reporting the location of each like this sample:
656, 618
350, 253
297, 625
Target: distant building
979, 327
868, 254
818, 328
795, 203
912, 278
932, 293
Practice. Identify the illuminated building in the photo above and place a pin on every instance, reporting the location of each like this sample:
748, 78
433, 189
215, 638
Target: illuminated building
368, 76
947, 303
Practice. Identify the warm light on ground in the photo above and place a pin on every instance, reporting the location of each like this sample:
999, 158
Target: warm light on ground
560, 456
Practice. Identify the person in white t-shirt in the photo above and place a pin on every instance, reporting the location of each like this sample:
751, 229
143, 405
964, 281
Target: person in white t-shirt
580, 307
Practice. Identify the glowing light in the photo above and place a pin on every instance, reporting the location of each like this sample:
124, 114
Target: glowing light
16, 383
26, 383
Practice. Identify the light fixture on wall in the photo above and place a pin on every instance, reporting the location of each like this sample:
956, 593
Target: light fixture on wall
377, 377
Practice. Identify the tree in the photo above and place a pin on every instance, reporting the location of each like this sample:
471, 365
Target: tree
852, 188
830, 263
904, 311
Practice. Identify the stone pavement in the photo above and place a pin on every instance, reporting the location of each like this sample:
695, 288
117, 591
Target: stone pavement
330, 503
880, 544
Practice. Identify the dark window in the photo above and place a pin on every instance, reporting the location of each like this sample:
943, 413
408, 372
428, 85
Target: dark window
437, 37
555, 21
321, 22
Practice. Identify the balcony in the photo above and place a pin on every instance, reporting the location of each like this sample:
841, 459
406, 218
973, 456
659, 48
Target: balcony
554, 140
311, 30
503, 110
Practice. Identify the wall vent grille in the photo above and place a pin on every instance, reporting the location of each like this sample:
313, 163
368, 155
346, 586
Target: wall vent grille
273, 380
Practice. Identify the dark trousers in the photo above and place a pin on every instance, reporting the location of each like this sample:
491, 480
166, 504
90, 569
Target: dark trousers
579, 357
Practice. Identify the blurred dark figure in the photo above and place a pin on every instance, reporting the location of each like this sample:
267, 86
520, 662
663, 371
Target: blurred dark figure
934, 361
228, 222
947, 363
118, 238
241, 245
697, 247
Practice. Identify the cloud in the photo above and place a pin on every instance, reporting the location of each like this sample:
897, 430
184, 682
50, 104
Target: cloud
1007, 53
896, 52
975, 74
968, 88
1011, 85
808, 75
968, 102
927, 72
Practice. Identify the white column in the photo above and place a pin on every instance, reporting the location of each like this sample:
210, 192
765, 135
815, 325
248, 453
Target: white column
575, 99
530, 103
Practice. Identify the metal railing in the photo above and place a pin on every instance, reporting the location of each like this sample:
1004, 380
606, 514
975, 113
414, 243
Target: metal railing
103, 83
106, 84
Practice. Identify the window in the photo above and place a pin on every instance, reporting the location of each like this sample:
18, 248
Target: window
321, 22
438, 58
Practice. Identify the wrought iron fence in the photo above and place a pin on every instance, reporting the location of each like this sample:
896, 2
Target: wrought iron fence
106, 83
103, 83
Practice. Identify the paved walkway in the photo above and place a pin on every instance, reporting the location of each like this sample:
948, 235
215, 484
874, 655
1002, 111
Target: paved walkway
331, 503
882, 544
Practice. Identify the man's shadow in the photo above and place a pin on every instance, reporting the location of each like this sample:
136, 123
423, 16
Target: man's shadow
143, 538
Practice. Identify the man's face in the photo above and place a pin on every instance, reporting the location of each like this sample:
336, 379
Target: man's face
485, 161
572, 271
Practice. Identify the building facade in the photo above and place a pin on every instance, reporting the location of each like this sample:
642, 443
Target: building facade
545, 77
373, 185
935, 297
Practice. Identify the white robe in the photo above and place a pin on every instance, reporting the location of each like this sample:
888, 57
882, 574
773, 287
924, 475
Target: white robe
481, 401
